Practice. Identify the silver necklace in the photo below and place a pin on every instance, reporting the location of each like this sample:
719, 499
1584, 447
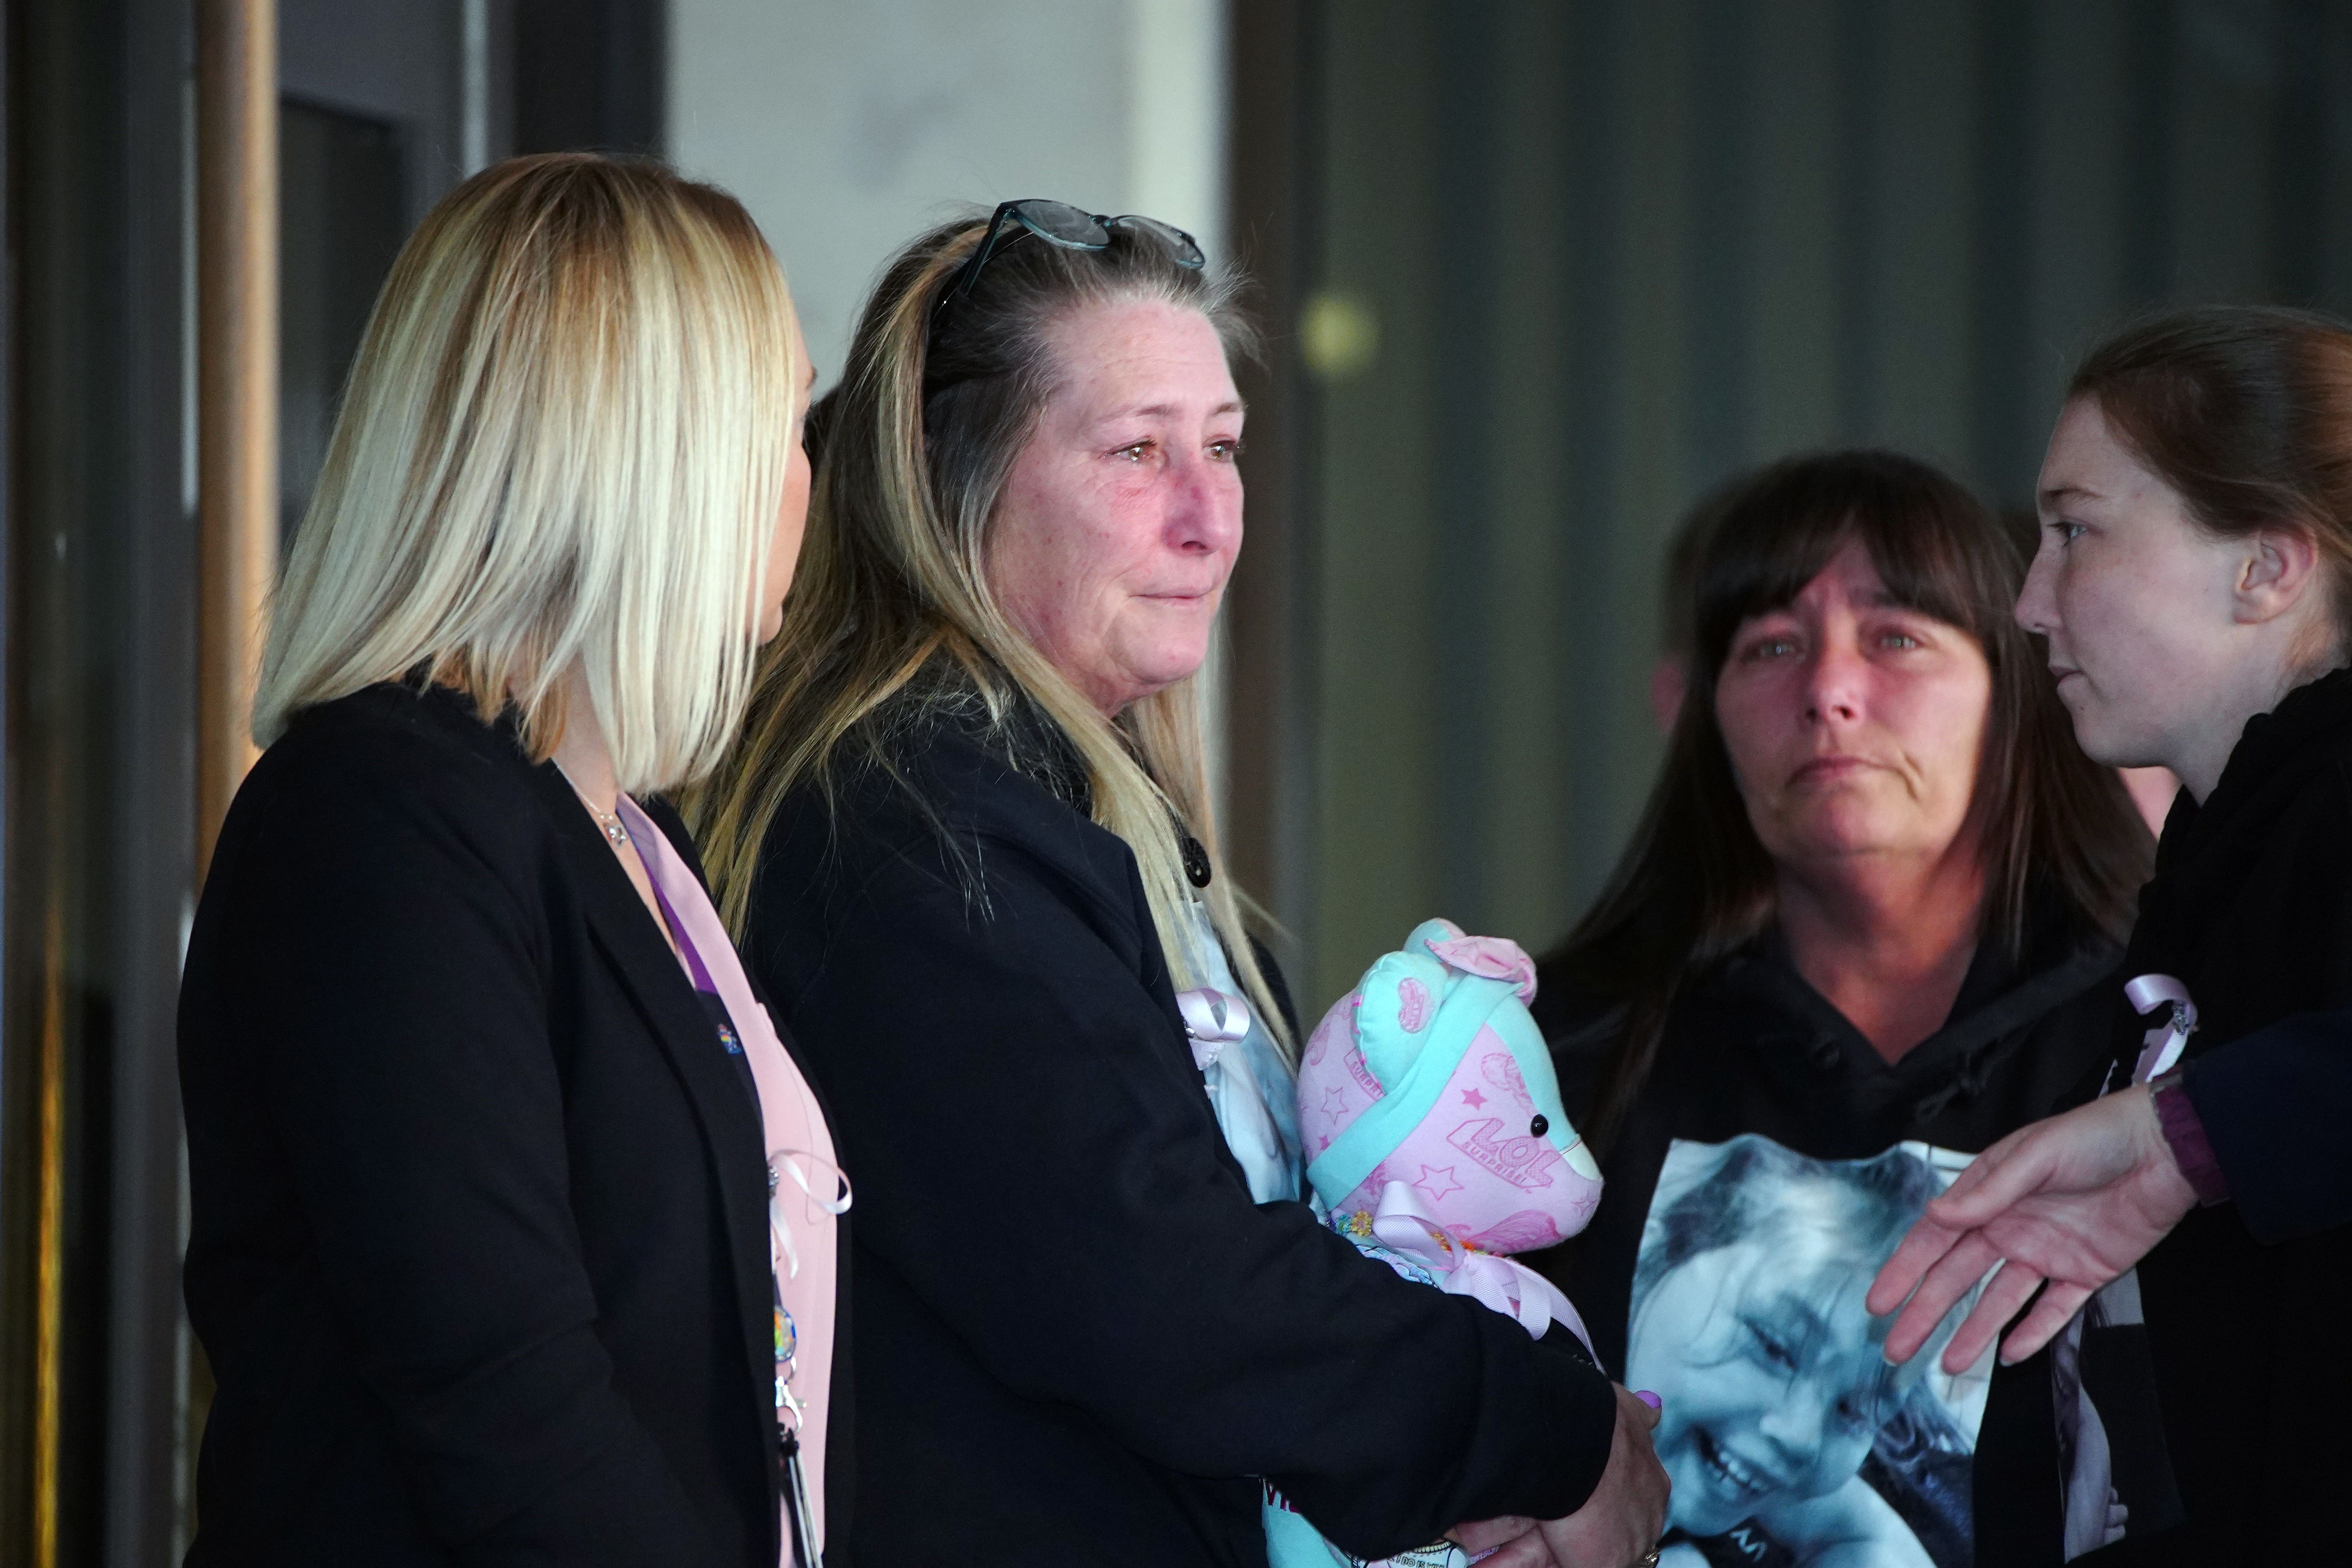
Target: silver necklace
614, 828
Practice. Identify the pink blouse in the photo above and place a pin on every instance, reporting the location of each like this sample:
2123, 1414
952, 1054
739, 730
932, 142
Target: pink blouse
807, 1189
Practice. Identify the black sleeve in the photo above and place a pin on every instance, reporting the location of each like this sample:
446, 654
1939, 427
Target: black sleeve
1011, 1066
2276, 1106
398, 1018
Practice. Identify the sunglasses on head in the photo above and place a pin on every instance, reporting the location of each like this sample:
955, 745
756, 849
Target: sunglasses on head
1072, 228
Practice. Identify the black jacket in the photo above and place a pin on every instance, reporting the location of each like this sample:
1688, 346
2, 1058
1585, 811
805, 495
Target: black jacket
1752, 1048
479, 1248
2252, 908
1078, 1339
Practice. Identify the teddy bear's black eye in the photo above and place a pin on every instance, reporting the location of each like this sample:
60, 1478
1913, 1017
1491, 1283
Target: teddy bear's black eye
1538, 1127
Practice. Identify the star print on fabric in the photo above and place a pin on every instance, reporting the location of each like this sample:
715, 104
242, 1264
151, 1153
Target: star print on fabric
1472, 1098
1323, 1140
1335, 1103
1435, 1185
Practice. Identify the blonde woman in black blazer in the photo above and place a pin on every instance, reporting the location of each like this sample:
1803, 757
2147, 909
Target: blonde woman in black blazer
481, 1249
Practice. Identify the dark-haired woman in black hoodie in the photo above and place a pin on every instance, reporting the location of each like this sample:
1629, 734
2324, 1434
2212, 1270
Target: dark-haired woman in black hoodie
2197, 503
1868, 928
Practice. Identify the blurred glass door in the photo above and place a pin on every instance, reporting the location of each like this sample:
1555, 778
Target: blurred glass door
342, 213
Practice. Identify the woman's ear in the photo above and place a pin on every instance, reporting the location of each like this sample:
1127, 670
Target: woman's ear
2280, 569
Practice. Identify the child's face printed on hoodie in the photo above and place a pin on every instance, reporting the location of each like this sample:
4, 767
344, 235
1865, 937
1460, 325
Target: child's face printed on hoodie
1770, 1372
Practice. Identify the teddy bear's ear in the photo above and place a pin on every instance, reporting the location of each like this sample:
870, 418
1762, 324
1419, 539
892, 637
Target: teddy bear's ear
1490, 958
1400, 996
1429, 932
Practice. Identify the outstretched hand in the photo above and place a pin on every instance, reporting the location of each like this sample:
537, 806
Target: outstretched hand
2073, 1202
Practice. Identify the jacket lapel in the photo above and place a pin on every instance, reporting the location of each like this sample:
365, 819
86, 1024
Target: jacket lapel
624, 930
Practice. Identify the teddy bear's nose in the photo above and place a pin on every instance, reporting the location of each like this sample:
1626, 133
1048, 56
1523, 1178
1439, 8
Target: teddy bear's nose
1538, 1127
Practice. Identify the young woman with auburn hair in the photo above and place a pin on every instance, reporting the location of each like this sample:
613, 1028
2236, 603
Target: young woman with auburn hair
2195, 584
479, 1099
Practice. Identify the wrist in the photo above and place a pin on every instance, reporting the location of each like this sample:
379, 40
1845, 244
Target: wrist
2183, 1131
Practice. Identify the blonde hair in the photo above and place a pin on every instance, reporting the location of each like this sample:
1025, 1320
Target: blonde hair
563, 443
892, 613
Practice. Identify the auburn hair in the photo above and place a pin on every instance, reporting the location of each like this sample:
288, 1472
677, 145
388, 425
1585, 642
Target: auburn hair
2246, 412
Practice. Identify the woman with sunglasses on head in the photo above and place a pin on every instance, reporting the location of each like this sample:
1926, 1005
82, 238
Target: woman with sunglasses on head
2195, 583
968, 827
514, 1222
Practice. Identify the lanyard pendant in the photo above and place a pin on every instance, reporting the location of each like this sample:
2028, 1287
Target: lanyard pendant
796, 1505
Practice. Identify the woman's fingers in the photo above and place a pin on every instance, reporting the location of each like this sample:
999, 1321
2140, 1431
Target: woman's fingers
1954, 1276
2049, 1317
2017, 1167
2004, 1294
1476, 1535
1991, 1182
1925, 1243
1529, 1550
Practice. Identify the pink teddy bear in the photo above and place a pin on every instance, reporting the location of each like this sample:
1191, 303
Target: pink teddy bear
1436, 1139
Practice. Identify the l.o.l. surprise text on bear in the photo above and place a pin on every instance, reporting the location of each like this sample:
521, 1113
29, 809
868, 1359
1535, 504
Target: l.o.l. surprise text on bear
1437, 1140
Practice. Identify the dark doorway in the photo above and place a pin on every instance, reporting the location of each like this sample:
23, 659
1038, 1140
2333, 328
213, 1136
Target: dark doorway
342, 189
588, 75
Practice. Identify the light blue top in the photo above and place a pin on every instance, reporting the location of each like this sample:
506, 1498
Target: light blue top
1250, 1087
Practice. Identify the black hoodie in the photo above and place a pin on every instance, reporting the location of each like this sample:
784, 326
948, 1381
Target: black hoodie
2251, 908
1754, 1052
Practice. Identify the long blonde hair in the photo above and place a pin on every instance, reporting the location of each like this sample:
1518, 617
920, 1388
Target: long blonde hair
563, 445
892, 614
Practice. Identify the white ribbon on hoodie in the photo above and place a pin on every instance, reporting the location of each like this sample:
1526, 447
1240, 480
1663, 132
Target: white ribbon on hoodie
2162, 1045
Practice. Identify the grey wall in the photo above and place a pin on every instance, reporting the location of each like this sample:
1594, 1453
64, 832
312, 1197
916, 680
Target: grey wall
848, 129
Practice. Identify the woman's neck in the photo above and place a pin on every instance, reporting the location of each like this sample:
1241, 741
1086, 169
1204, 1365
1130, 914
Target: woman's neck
582, 753
587, 764
1886, 938
2204, 752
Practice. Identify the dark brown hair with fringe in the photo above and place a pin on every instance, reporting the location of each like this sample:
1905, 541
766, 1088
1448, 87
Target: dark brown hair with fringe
1695, 884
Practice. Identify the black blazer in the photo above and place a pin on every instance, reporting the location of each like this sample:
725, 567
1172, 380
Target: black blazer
479, 1246
1079, 1341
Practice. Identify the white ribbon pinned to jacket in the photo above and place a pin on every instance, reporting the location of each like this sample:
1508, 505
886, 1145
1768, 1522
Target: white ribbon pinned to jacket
780, 1232
1213, 1020
1510, 1288
2161, 1047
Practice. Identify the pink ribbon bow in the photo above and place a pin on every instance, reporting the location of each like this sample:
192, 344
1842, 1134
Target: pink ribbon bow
1512, 1288
1213, 1019
2162, 1045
